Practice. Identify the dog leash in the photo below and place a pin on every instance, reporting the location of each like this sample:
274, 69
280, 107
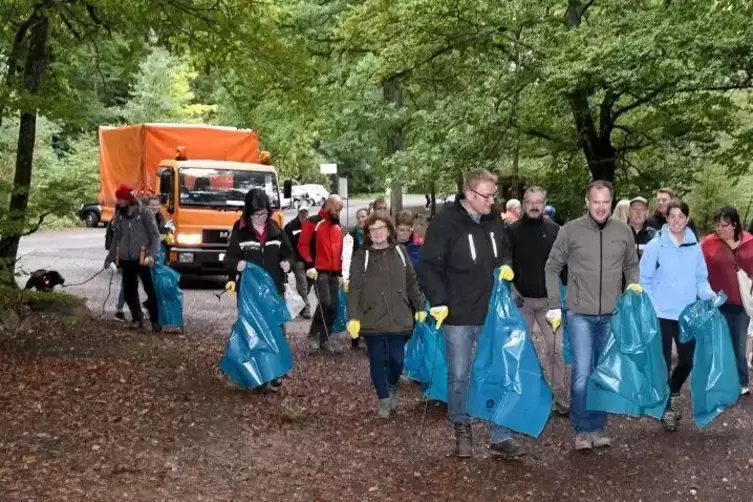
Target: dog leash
109, 287
84, 282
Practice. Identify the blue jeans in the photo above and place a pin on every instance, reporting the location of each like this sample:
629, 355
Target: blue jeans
738, 320
588, 336
386, 355
460, 344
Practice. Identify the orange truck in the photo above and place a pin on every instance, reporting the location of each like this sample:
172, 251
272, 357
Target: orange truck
201, 175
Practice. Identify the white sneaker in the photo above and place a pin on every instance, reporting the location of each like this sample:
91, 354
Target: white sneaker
744, 391
583, 442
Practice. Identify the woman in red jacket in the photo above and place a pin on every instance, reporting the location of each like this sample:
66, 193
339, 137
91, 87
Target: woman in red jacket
726, 250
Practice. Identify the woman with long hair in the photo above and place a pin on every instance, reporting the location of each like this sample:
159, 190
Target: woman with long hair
383, 300
729, 249
256, 238
673, 273
622, 211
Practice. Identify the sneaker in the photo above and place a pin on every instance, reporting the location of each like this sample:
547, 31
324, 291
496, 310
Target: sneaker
394, 397
137, 324
314, 344
119, 316
600, 440
560, 408
675, 404
275, 385
668, 421
329, 348
463, 440
306, 313
384, 408
744, 391
583, 442
509, 448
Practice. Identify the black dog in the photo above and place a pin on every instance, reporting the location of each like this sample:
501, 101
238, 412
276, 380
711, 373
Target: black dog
44, 280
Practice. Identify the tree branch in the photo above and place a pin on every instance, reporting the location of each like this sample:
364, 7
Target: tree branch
38, 224
638, 102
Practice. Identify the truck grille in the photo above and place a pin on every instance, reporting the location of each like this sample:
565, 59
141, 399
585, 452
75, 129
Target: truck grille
215, 236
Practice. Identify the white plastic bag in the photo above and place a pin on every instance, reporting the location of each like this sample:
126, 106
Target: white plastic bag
294, 301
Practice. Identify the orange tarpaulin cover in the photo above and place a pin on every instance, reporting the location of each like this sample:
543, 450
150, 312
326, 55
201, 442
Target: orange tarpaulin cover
131, 155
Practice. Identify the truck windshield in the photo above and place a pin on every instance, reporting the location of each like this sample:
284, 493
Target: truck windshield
223, 188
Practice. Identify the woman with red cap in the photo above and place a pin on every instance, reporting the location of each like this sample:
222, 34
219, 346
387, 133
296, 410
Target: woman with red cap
134, 247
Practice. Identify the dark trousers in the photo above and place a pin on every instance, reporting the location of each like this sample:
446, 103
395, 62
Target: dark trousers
131, 273
386, 356
738, 320
326, 287
670, 330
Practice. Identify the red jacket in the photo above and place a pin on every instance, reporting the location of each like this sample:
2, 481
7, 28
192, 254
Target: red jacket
721, 264
321, 243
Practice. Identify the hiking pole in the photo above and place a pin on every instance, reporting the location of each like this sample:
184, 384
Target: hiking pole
431, 380
321, 311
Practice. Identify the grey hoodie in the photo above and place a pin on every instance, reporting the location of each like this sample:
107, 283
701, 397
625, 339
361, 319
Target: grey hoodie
596, 256
130, 233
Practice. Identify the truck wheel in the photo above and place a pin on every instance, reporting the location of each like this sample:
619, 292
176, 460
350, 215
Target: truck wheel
91, 219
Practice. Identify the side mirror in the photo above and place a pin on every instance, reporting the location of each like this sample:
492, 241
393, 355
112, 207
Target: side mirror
287, 189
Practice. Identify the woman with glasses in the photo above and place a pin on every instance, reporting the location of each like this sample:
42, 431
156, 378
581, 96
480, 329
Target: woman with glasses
383, 300
258, 239
728, 250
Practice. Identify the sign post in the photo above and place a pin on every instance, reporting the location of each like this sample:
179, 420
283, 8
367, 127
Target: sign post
342, 191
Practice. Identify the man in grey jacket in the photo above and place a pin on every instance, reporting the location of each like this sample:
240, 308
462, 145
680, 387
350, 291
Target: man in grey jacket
134, 246
597, 250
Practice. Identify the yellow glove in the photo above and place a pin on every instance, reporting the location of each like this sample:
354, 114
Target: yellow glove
230, 287
421, 316
346, 286
439, 314
554, 318
635, 287
506, 273
353, 327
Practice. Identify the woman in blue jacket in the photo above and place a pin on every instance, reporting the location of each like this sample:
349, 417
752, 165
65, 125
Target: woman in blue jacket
673, 273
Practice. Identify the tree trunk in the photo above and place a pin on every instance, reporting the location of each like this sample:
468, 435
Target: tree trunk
34, 68
433, 198
595, 143
395, 140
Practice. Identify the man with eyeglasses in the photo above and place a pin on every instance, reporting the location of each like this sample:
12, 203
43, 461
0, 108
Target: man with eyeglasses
532, 238
465, 243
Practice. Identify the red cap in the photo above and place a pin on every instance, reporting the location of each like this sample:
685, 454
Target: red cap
124, 193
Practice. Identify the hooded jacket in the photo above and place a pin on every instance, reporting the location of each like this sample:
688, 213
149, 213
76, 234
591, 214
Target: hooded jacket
674, 276
458, 260
723, 263
320, 245
596, 256
132, 232
383, 292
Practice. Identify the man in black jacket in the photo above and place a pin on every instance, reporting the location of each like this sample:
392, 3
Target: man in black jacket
464, 245
532, 237
302, 283
642, 231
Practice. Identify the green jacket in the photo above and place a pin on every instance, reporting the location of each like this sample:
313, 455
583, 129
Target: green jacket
383, 292
596, 256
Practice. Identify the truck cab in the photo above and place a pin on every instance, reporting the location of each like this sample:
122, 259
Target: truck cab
202, 200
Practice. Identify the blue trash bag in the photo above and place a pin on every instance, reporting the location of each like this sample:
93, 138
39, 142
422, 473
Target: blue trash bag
257, 351
507, 386
714, 383
425, 360
631, 375
567, 350
169, 295
341, 321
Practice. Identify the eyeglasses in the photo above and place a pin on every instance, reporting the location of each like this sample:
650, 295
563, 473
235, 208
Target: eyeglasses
260, 214
374, 230
485, 196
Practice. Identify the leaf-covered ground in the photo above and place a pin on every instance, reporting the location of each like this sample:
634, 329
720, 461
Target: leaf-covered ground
91, 412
